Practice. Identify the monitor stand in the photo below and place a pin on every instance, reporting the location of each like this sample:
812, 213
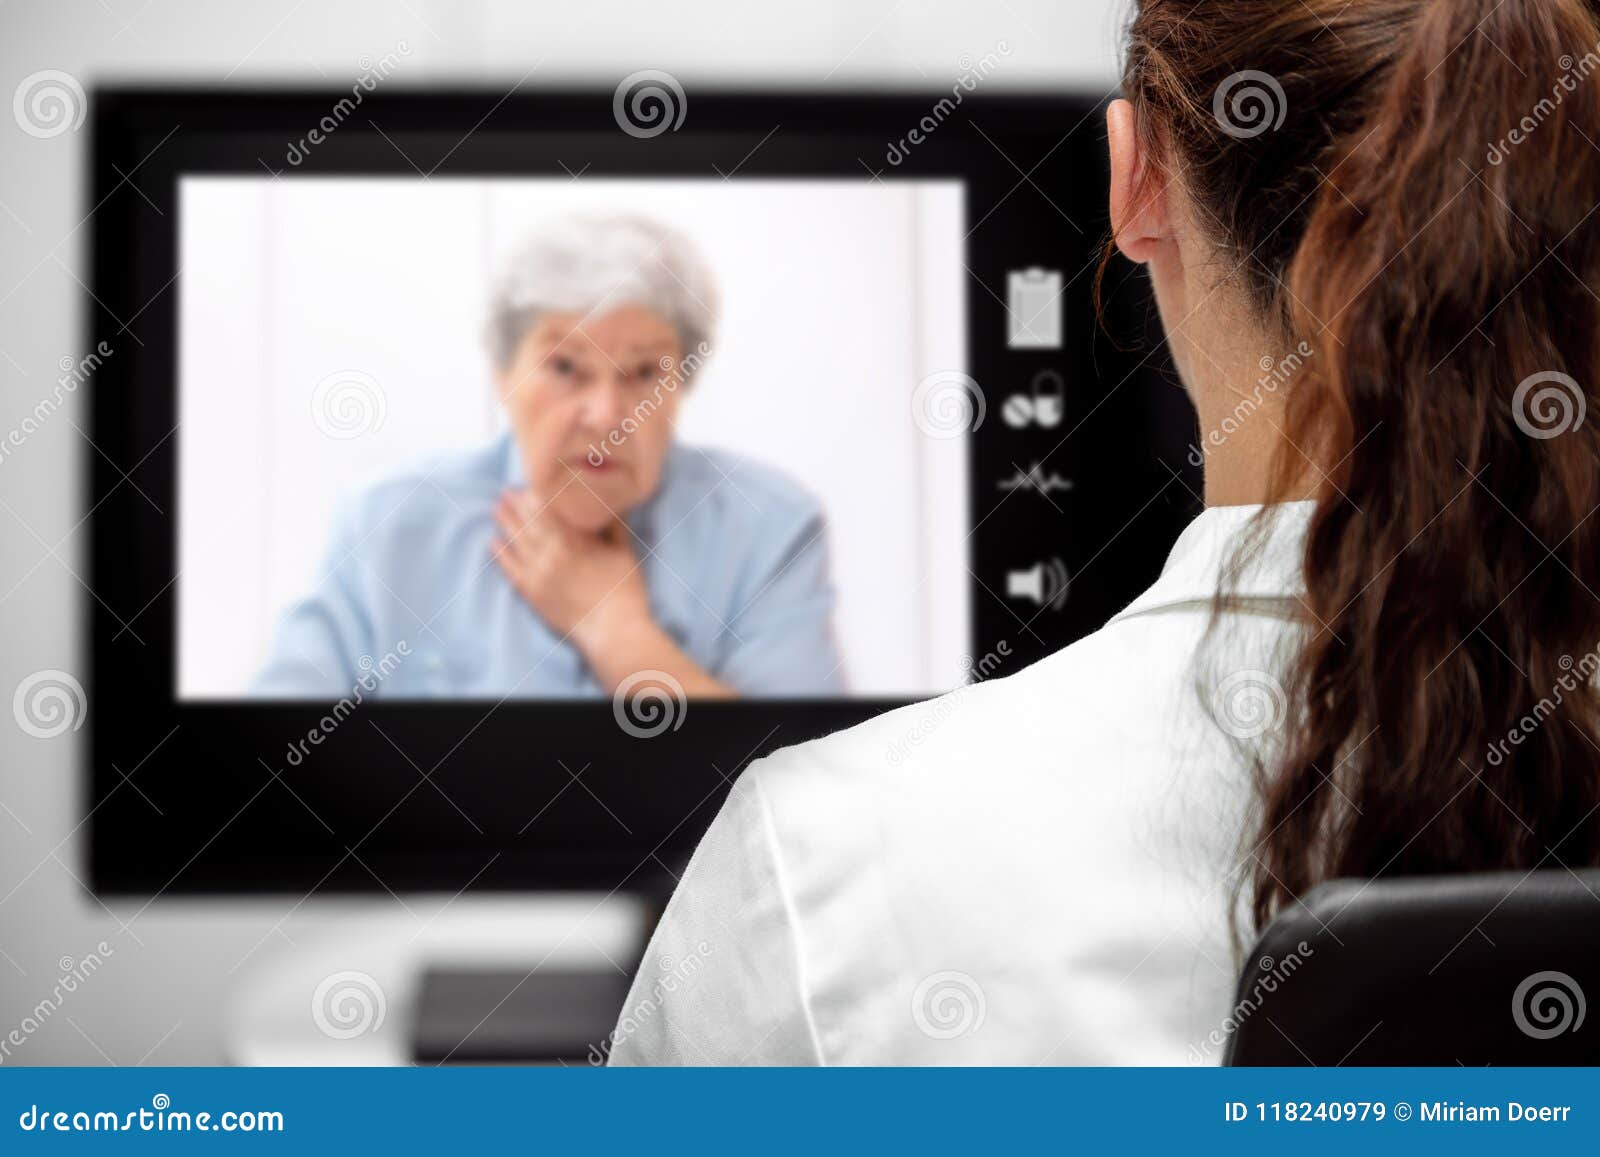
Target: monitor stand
535, 978
501, 1015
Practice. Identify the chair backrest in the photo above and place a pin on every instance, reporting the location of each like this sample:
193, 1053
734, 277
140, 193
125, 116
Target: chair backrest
1486, 969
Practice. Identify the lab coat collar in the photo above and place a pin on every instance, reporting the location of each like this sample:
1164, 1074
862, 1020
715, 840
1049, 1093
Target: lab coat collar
1194, 567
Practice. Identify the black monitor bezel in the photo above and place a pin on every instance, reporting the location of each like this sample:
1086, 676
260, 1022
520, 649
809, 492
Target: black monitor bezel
189, 798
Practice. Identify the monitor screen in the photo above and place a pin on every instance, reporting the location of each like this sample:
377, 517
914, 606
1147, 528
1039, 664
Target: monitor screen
695, 389
484, 479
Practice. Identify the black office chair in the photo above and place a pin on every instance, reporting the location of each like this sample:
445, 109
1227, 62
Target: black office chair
1490, 969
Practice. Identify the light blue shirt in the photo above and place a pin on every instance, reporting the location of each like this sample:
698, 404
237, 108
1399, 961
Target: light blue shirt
734, 556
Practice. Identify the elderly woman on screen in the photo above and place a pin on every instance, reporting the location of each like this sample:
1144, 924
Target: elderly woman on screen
587, 544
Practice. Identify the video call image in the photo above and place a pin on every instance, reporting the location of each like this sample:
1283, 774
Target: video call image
488, 438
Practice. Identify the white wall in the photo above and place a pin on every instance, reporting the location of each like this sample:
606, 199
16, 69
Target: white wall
159, 1000
287, 283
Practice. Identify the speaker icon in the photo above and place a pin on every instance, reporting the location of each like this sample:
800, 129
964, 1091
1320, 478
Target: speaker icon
1045, 584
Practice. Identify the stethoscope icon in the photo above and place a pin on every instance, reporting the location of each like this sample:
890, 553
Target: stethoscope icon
1045, 407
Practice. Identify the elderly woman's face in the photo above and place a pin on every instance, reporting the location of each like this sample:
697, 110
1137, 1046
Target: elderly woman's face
586, 383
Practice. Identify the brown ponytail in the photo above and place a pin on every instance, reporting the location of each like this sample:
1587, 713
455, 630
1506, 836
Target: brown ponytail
1419, 205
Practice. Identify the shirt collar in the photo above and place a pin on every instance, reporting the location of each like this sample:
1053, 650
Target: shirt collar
1194, 567
511, 462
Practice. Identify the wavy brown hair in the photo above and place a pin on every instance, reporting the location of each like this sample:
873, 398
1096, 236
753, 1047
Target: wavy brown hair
1414, 194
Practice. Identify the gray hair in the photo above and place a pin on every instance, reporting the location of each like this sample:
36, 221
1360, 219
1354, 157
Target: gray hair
591, 264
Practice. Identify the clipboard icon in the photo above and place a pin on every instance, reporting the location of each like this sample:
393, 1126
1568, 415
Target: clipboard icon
1033, 306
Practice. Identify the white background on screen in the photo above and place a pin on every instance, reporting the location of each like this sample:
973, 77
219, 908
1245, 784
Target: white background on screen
838, 297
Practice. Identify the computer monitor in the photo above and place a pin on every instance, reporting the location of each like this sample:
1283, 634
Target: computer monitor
388, 385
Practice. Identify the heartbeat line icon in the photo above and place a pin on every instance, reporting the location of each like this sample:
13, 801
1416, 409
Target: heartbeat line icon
1035, 479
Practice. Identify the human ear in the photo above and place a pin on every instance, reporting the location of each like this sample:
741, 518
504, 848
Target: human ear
1140, 221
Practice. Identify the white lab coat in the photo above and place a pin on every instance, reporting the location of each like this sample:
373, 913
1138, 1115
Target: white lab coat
1035, 869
